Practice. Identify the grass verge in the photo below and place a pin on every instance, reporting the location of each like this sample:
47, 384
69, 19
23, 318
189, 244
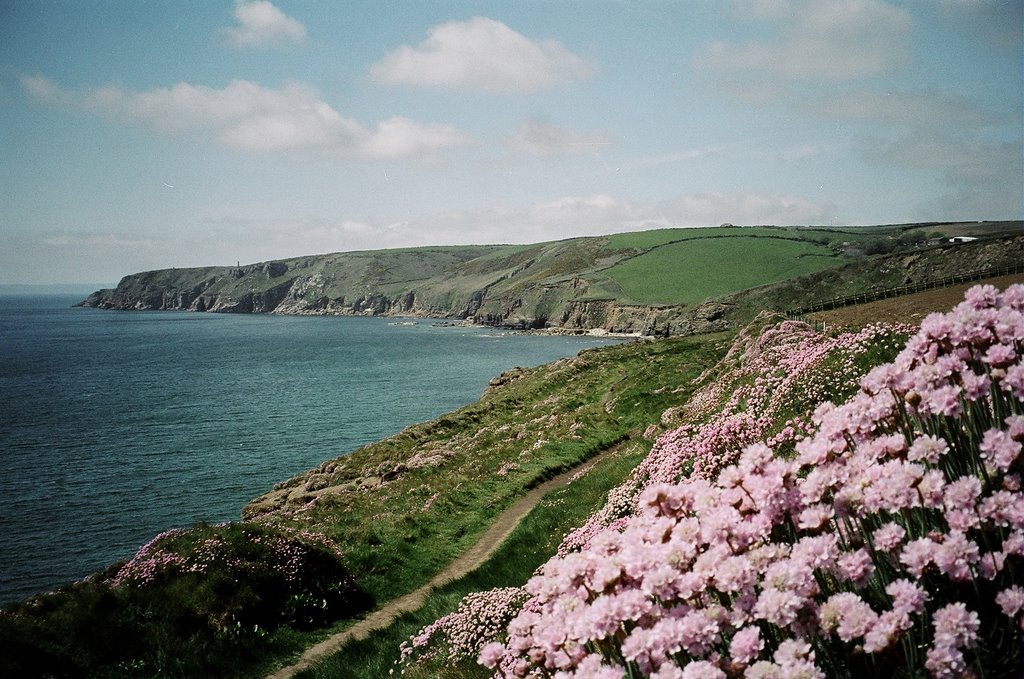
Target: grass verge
532, 543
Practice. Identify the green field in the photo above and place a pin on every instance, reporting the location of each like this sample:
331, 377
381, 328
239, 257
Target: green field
693, 271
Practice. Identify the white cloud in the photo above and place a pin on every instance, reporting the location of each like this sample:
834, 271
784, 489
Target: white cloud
598, 214
247, 116
481, 54
400, 137
920, 109
817, 41
982, 180
224, 239
99, 240
748, 208
994, 24
542, 139
261, 24
684, 156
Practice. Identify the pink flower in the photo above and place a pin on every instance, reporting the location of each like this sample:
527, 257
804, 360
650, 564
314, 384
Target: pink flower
698, 631
593, 667
936, 326
746, 645
856, 566
999, 450
945, 401
666, 671
1013, 297
955, 625
848, 614
962, 493
816, 551
932, 488
1015, 426
815, 516
1013, 380
884, 632
928, 449
763, 669
795, 660
491, 654
1011, 600
956, 555
981, 296
945, 661
701, 669
1000, 355
990, 564
778, 607
917, 555
888, 537
975, 386
907, 597
1003, 508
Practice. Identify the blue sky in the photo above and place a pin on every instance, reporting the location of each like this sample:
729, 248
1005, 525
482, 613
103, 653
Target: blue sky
140, 135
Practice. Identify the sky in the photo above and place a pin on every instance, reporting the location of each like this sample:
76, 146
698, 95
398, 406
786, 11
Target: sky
147, 134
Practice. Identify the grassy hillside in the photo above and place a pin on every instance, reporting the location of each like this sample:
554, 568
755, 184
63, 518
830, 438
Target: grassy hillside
398, 511
651, 282
692, 271
360, 530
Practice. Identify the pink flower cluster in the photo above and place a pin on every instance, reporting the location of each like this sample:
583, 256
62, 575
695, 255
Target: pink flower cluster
481, 616
189, 551
895, 531
151, 559
762, 376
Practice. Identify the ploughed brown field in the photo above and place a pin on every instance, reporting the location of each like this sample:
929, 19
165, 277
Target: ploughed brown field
908, 309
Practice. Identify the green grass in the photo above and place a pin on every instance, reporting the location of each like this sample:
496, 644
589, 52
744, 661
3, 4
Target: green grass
643, 240
692, 271
239, 594
532, 543
400, 510
488, 454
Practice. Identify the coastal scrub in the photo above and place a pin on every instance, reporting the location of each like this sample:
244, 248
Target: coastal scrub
887, 541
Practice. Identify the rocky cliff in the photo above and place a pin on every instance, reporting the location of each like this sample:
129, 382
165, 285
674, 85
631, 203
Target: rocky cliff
567, 285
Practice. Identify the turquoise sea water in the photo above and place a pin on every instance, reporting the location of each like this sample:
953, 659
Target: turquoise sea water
115, 426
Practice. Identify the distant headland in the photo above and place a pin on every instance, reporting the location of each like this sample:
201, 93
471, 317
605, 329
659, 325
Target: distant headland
659, 283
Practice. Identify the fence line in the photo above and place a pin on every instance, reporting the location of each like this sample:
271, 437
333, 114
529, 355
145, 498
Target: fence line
901, 290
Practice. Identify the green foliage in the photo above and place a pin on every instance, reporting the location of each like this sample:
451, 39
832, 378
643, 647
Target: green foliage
878, 246
692, 271
532, 543
912, 237
211, 601
226, 601
482, 457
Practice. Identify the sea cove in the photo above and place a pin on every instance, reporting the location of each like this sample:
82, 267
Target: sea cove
117, 425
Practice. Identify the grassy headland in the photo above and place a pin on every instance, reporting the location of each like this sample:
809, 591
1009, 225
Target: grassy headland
661, 282
398, 511
361, 530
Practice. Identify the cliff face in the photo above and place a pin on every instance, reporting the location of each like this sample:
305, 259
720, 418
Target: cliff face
570, 285
515, 286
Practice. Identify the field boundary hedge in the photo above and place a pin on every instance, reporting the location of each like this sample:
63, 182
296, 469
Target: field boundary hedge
901, 290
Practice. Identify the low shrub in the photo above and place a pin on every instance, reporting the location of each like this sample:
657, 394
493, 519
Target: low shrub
195, 602
889, 541
890, 546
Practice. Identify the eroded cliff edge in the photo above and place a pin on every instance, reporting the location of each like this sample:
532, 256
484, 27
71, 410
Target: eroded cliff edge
566, 285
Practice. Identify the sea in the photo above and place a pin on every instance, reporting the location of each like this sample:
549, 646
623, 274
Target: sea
117, 425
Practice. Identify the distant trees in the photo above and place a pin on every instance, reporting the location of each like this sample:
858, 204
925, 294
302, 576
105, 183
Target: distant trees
912, 237
878, 246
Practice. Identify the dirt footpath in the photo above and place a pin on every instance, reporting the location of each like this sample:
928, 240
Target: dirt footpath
907, 309
473, 558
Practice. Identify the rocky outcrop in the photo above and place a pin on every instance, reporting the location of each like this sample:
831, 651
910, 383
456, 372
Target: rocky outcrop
560, 285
